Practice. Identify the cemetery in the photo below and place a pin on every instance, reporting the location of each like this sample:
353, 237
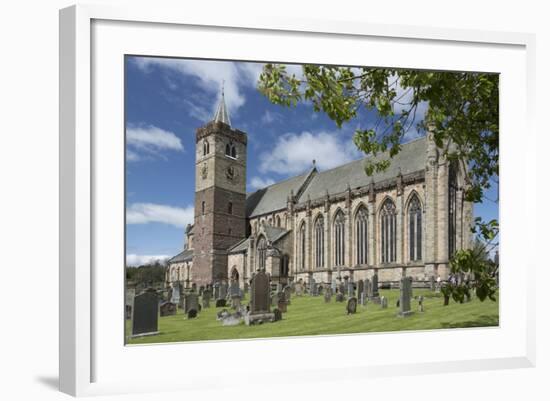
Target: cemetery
268, 310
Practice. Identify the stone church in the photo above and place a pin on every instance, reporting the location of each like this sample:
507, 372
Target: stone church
325, 225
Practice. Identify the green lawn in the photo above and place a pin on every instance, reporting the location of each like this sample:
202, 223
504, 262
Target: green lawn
311, 316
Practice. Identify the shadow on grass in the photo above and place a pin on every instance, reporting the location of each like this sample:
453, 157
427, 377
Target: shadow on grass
481, 321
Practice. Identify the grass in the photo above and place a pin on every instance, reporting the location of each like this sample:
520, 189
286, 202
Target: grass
312, 316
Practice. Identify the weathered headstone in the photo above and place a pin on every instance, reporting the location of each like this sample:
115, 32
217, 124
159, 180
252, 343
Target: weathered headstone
288, 291
216, 290
375, 292
298, 289
236, 301
368, 288
167, 309
342, 289
405, 297
328, 295
175, 296
352, 305
432, 283
360, 288
351, 289
191, 305
281, 305
223, 290
421, 303
260, 299
384, 302
277, 315
145, 314
206, 295
312, 287
339, 297
362, 299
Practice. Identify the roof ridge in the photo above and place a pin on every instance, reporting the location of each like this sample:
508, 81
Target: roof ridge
370, 156
279, 182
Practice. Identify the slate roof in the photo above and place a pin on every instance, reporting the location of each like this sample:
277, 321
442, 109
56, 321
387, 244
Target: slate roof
185, 256
239, 247
273, 197
410, 159
274, 233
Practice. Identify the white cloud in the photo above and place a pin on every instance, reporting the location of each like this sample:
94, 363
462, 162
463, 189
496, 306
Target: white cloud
270, 117
152, 138
132, 156
143, 213
133, 259
258, 182
210, 75
293, 153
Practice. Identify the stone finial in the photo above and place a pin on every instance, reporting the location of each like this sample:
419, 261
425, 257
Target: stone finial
399, 182
372, 193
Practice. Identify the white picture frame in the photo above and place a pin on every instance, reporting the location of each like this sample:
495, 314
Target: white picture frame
91, 40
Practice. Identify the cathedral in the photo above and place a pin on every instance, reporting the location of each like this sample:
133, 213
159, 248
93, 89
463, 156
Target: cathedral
322, 225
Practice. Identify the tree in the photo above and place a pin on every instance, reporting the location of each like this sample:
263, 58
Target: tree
461, 112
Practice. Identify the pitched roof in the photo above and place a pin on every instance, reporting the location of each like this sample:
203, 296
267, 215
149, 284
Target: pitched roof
185, 256
274, 197
239, 247
410, 159
274, 233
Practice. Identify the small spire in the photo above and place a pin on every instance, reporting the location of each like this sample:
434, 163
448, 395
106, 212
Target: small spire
222, 115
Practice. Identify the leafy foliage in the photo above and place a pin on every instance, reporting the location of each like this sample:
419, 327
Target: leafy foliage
146, 274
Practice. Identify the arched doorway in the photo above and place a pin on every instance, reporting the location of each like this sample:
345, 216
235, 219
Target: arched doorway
234, 273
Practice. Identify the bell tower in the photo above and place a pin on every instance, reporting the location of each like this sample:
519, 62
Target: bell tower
220, 195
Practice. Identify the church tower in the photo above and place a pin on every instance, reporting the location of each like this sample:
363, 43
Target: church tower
220, 195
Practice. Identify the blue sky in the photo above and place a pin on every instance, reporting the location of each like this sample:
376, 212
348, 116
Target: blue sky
167, 99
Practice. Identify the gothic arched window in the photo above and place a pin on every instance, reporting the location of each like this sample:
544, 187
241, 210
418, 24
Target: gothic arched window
361, 235
203, 206
233, 151
302, 247
415, 229
230, 208
278, 221
339, 238
227, 150
205, 148
388, 231
261, 248
320, 242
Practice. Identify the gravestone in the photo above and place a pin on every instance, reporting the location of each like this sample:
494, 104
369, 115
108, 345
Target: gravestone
287, 291
320, 289
129, 302
333, 285
175, 296
384, 302
167, 309
328, 295
216, 290
298, 289
362, 299
206, 295
145, 314
260, 299
224, 289
342, 289
368, 288
421, 303
312, 287
351, 289
221, 303
375, 293
352, 306
432, 283
234, 289
281, 305
191, 305
345, 286
236, 301
277, 315
339, 297
360, 288
405, 297
194, 287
